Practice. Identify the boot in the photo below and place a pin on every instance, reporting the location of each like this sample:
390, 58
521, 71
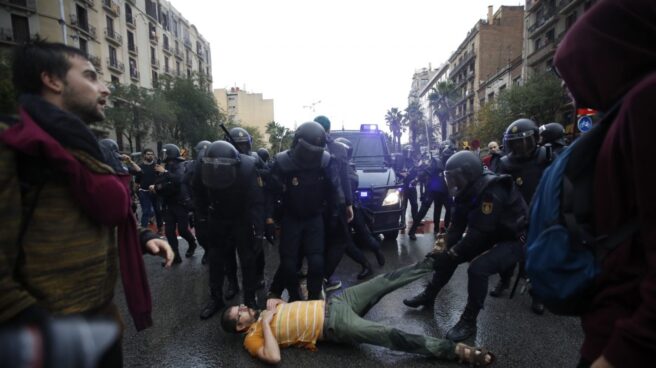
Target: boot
191, 250
412, 232
499, 288
366, 271
213, 306
176, 257
537, 307
426, 298
465, 327
232, 290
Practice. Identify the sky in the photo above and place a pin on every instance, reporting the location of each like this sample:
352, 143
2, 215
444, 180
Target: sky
350, 60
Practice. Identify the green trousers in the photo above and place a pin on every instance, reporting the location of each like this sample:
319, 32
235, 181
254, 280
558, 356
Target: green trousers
344, 322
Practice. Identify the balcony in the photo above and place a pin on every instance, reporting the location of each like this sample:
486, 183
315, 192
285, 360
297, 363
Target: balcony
154, 62
134, 75
115, 65
91, 3
189, 63
111, 7
178, 54
566, 6
113, 36
187, 43
541, 53
167, 48
130, 21
468, 56
153, 37
542, 23
95, 61
25, 5
133, 50
83, 26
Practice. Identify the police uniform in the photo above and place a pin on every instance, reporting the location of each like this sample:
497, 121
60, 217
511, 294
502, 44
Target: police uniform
409, 189
437, 193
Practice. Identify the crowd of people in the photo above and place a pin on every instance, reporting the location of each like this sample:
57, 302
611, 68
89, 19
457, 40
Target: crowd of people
70, 228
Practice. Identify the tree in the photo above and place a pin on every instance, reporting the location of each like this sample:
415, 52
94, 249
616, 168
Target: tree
539, 99
7, 93
441, 100
256, 136
414, 120
280, 137
126, 116
394, 119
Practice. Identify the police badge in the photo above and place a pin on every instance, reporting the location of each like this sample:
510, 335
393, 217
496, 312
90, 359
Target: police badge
295, 181
486, 208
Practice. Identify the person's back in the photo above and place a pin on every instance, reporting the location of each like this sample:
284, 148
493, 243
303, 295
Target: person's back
618, 36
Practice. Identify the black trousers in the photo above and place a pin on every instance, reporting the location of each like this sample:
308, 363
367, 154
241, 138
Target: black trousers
362, 238
295, 235
410, 197
338, 236
176, 216
440, 200
224, 233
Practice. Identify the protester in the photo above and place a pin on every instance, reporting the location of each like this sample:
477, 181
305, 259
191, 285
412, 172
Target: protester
67, 223
148, 199
609, 58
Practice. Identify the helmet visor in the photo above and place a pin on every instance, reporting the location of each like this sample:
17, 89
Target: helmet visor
307, 155
218, 173
456, 182
521, 145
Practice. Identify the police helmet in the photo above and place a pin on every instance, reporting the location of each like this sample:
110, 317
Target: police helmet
308, 144
201, 145
263, 153
324, 122
219, 165
462, 170
170, 152
552, 133
521, 138
446, 151
348, 144
242, 139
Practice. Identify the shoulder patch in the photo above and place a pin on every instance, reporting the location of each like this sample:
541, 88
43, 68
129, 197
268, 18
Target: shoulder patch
487, 207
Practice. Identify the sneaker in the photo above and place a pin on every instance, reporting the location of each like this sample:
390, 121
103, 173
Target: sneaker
331, 284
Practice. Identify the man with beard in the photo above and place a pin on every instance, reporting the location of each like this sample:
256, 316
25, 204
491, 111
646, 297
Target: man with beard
65, 211
148, 199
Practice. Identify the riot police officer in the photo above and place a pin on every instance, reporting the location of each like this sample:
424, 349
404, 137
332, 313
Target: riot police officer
552, 137
436, 193
494, 214
338, 215
264, 154
525, 162
176, 200
409, 175
305, 179
229, 194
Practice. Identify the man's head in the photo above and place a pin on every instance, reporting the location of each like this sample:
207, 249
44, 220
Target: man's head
238, 318
63, 76
493, 147
148, 155
324, 122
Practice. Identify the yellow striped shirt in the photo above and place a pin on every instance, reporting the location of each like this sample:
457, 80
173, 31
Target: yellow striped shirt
295, 324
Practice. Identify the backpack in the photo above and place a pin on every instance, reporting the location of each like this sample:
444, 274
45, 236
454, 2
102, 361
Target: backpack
564, 253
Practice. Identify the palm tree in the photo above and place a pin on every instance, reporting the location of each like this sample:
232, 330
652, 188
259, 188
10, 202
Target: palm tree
414, 120
441, 100
280, 137
394, 119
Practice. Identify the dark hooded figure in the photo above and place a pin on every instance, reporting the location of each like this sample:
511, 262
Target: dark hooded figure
609, 57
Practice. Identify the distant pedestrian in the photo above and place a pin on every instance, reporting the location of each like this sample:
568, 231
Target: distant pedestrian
148, 199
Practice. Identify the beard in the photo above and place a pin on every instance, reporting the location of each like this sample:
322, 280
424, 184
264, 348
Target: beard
81, 106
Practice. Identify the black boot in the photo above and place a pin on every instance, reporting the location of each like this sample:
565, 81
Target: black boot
232, 290
412, 232
191, 250
499, 288
213, 306
426, 298
537, 307
465, 327
177, 259
366, 271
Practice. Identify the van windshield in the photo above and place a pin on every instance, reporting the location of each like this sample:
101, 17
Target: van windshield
368, 149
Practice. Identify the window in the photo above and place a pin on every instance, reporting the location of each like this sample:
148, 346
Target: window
128, 13
21, 28
177, 68
153, 55
131, 45
84, 47
165, 39
133, 68
550, 36
537, 44
115, 79
569, 21
490, 96
155, 78
166, 64
110, 26
82, 19
112, 56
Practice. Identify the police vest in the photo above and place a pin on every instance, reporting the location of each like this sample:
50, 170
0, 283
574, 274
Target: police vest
526, 173
305, 191
234, 200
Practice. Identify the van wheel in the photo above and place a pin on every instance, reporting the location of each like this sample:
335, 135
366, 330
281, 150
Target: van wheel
391, 235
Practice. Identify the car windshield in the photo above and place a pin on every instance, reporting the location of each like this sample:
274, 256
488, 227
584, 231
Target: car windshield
368, 149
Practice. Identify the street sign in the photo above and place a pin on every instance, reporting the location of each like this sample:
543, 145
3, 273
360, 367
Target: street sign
584, 124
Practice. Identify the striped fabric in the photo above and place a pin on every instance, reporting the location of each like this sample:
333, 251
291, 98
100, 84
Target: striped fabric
295, 324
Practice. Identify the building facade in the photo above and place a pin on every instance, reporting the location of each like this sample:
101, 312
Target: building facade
424, 100
245, 109
488, 47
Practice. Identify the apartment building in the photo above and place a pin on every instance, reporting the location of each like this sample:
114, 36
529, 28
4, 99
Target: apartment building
439, 75
488, 47
244, 108
128, 41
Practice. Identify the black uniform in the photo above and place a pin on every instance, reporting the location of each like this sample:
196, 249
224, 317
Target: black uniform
176, 202
437, 194
235, 216
409, 188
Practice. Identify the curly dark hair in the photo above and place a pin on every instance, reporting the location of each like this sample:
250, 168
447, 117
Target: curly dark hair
229, 325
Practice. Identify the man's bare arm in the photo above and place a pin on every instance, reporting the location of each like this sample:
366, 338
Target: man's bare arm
270, 352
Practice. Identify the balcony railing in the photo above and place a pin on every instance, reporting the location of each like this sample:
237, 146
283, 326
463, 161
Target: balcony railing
539, 22
154, 62
130, 21
468, 56
178, 53
132, 49
153, 37
134, 74
83, 26
113, 36
187, 43
29, 5
111, 7
115, 65
167, 48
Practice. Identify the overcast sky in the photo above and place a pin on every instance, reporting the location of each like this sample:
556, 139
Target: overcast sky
356, 57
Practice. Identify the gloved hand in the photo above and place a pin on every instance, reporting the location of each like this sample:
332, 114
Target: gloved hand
270, 232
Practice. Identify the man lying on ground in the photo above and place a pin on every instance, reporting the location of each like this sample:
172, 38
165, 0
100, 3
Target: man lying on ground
303, 323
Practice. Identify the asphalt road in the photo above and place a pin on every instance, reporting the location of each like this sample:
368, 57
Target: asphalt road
506, 326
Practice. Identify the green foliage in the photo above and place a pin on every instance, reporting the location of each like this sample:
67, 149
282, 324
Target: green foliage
258, 138
280, 137
441, 100
7, 94
394, 120
539, 99
415, 121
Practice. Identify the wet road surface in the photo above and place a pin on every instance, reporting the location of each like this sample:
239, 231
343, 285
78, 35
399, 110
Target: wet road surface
506, 326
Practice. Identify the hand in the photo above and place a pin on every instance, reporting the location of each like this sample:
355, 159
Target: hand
349, 213
273, 303
159, 247
125, 158
270, 232
267, 316
601, 362
159, 168
151, 188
